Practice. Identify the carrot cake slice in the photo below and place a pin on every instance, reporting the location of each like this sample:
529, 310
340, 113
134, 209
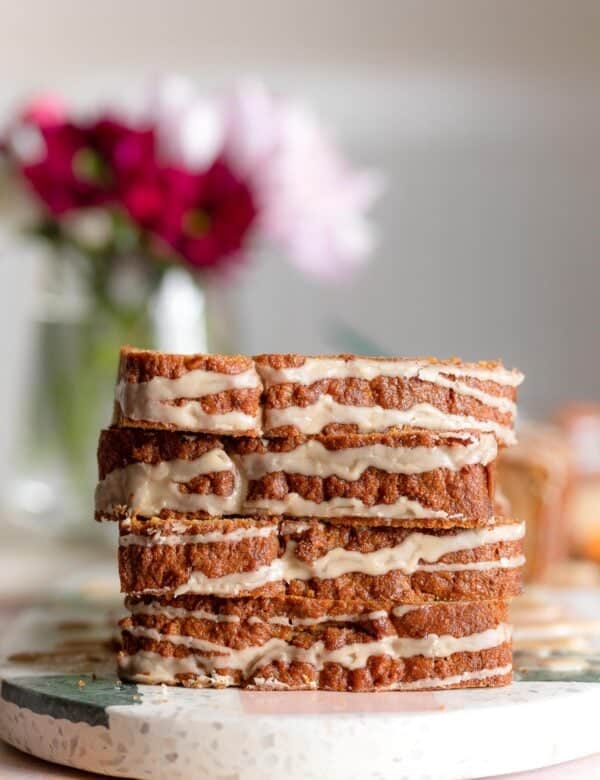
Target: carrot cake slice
419, 476
207, 393
329, 394
307, 644
314, 559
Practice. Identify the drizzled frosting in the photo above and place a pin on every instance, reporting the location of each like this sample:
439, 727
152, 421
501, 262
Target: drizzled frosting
147, 488
312, 458
313, 418
351, 656
417, 552
314, 369
150, 400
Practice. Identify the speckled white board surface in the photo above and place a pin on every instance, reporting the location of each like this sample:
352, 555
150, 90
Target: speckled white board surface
67, 707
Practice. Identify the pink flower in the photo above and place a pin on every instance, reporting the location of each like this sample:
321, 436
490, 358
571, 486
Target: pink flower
204, 217
45, 109
311, 201
189, 127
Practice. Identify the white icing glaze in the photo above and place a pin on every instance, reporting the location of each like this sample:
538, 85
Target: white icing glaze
351, 656
241, 582
406, 557
312, 458
435, 376
145, 661
500, 563
295, 505
210, 537
276, 685
228, 584
313, 418
169, 612
149, 400
190, 416
404, 609
314, 369
455, 679
279, 620
147, 488
156, 608
193, 384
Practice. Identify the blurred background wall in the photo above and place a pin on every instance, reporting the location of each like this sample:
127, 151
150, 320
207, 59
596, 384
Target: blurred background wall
484, 116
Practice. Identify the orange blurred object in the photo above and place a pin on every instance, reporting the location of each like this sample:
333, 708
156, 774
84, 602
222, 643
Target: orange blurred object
580, 423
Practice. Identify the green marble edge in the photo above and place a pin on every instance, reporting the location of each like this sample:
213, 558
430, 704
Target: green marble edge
64, 697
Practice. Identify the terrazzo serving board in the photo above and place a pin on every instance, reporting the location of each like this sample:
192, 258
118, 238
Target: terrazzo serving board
60, 700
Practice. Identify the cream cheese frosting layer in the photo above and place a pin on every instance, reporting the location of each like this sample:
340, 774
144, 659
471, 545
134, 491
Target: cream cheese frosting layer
425, 683
417, 552
288, 568
152, 668
148, 488
196, 383
155, 608
189, 416
453, 679
313, 418
352, 656
313, 458
315, 369
243, 582
152, 400
210, 537
297, 506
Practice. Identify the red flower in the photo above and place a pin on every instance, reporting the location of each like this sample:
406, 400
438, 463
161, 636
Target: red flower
77, 166
205, 217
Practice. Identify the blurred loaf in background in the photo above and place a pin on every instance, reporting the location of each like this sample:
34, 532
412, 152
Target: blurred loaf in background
534, 477
551, 479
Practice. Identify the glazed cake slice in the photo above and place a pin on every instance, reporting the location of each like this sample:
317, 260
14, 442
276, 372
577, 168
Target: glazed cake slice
420, 476
302, 644
348, 393
313, 559
207, 393
165, 474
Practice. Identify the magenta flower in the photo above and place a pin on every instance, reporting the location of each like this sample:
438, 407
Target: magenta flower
73, 166
204, 217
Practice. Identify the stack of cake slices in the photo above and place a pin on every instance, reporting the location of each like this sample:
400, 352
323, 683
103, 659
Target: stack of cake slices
290, 522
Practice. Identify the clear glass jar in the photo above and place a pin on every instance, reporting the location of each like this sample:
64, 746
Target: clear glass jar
80, 322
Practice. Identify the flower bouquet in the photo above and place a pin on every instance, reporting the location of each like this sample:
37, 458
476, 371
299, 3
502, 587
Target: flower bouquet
144, 212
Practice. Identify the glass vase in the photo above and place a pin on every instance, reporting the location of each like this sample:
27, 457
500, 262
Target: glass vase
80, 323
